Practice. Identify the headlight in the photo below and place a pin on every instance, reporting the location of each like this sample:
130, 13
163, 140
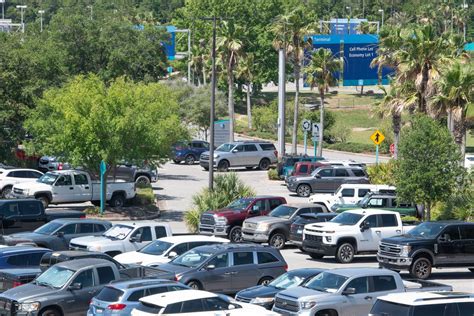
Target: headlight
262, 300
29, 307
263, 226
216, 156
308, 305
94, 248
220, 220
405, 251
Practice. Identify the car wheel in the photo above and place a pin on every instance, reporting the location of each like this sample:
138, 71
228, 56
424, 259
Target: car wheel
223, 166
303, 190
316, 255
143, 180
265, 280
264, 164
195, 285
235, 234
206, 169
421, 268
44, 200
50, 312
277, 240
189, 160
6, 192
117, 200
345, 253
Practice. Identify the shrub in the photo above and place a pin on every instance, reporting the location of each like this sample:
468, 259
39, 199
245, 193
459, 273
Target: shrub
273, 174
144, 196
227, 188
341, 132
93, 211
382, 173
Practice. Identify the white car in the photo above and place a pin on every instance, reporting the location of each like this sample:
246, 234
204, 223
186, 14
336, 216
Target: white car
195, 302
166, 248
123, 237
10, 177
469, 161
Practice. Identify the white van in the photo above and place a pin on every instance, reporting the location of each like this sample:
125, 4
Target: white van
348, 194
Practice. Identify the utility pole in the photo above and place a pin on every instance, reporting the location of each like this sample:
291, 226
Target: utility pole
22, 8
41, 12
3, 9
281, 99
189, 56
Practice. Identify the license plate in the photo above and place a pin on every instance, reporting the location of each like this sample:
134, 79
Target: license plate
299, 231
99, 310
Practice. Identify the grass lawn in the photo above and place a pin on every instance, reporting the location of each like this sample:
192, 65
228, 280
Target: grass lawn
357, 118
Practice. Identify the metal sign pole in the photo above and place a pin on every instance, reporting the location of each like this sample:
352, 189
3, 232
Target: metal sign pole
305, 143
376, 155
315, 148
103, 168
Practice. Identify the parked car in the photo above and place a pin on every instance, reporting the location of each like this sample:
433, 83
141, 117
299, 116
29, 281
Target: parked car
57, 234
326, 179
296, 229
424, 303
249, 154
122, 297
193, 302
10, 177
123, 237
381, 201
305, 168
274, 228
225, 268
64, 289
346, 292
345, 163
264, 295
351, 233
348, 194
27, 215
429, 245
49, 259
189, 152
72, 186
166, 248
286, 165
10, 278
48, 163
21, 257
228, 221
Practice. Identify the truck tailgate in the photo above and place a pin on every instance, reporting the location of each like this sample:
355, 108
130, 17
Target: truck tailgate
414, 285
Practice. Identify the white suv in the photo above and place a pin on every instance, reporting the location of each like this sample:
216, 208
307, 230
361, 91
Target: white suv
166, 248
10, 177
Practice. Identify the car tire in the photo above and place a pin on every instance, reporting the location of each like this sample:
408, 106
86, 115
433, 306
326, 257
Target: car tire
6, 192
345, 253
96, 203
189, 160
223, 166
195, 285
206, 169
44, 200
316, 255
235, 234
264, 164
277, 240
303, 190
143, 180
50, 312
176, 161
117, 200
265, 280
421, 268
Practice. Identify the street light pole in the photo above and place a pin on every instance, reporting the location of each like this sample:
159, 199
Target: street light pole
382, 11
22, 8
41, 12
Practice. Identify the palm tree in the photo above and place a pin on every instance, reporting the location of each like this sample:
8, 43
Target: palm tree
245, 71
319, 74
229, 47
390, 42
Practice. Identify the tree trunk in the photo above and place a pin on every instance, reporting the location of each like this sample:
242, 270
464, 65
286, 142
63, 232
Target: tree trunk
459, 128
379, 74
423, 88
396, 125
294, 139
204, 75
428, 211
321, 122
230, 79
249, 106
361, 89
199, 81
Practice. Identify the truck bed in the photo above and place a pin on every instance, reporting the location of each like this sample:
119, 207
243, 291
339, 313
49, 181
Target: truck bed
415, 285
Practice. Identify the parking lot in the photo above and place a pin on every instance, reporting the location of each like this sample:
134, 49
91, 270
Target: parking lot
178, 183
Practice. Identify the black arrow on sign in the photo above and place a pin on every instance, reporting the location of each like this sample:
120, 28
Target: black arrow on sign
377, 137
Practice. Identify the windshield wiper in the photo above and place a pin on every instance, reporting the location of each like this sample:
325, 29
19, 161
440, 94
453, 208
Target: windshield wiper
44, 284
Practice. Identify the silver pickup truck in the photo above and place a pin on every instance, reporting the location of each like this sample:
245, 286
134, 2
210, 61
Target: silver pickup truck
346, 292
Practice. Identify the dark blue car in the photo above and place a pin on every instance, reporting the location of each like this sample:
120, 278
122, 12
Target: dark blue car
21, 257
189, 152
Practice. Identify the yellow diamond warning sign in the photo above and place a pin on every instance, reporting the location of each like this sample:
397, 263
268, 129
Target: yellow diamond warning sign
377, 137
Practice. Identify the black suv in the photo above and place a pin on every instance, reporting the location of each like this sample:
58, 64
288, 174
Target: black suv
225, 268
296, 229
428, 245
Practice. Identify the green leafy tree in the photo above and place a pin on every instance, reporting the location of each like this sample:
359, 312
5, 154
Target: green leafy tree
427, 170
245, 71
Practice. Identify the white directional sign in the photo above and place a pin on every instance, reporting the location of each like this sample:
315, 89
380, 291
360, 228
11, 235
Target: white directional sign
306, 125
316, 127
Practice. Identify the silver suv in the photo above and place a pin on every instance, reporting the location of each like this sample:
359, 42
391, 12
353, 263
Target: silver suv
249, 154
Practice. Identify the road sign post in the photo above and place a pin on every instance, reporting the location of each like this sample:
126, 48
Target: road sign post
103, 168
377, 137
306, 128
316, 128
305, 143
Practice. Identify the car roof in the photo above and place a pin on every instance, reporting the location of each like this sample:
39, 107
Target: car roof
80, 220
20, 249
19, 169
350, 272
364, 185
428, 298
188, 238
19, 200
168, 298
301, 205
142, 223
82, 263
451, 222
230, 246
365, 211
141, 283
77, 254
305, 272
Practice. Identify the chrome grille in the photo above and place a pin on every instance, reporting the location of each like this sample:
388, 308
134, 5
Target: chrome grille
286, 304
207, 219
313, 238
17, 191
389, 249
243, 299
204, 157
6, 305
77, 247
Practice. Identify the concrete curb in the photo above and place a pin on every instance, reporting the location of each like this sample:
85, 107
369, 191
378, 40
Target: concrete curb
117, 219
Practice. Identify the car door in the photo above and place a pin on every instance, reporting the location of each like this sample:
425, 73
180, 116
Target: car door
82, 187
450, 247
258, 208
64, 236
251, 156
361, 301
31, 217
369, 238
77, 301
323, 181
219, 278
347, 196
380, 285
245, 272
63, 189
341, 176
140, 237
388, 226
467, 240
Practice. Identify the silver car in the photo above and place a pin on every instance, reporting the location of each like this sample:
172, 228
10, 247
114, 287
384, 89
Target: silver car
248, 154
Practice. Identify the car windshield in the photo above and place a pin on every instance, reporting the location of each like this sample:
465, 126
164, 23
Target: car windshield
55, 277
240, 204
156, 248
426, 230
118, 232
48, 229
326, 282
283, 211
48, 178
225, 147
191, 259
347, 218
286, 281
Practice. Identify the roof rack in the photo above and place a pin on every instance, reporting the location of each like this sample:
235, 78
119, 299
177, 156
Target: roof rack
447, 297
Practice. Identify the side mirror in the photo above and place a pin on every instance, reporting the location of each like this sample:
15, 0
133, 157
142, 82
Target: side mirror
235, 151
75, 287
364, 226
231, 306
137, 238
349, 291
172, 254
60, 234
210, 267
317, 176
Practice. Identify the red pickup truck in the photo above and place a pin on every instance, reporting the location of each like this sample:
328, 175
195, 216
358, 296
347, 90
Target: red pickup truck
228, 221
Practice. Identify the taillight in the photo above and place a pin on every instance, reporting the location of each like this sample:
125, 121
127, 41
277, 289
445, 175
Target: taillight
116, 307
82, 216
60, 166
276, 153
16, 283
286, 267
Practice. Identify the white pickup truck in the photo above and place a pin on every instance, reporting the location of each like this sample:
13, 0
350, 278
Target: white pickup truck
352, 232
72, 186
123, 237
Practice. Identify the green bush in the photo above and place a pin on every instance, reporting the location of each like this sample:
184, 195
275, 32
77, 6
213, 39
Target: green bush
382, 173
227, 188
93, 211
341, 132
273, 174
144, 196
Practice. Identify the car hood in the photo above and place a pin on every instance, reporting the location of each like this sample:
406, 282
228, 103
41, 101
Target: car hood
301, 178
24, 236
33, 185
259, 291
330, 226
407, 239
223, 212
88, 240
172, 269
266, 220
134, 257
301, 293
28, 292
